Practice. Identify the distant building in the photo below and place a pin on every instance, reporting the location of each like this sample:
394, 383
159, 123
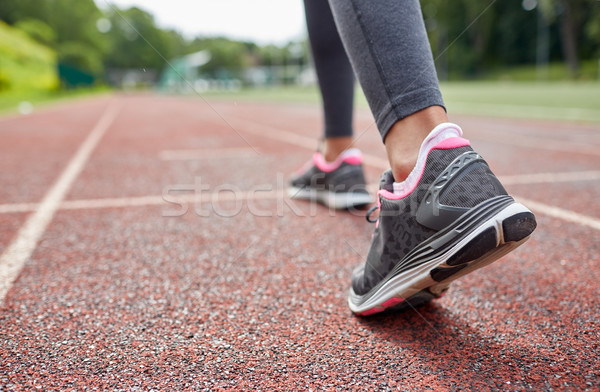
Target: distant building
184, 75
131, 78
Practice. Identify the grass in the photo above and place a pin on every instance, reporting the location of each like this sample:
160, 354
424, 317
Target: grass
284, 94
571, 101
28, 76
556, 71
11, 102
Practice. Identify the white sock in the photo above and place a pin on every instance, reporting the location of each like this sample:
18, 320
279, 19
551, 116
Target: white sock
441, 132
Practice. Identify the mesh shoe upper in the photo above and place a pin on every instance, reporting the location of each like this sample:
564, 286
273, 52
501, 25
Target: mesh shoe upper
455, 178
346, 177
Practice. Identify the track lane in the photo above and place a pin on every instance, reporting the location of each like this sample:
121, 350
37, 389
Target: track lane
251, 295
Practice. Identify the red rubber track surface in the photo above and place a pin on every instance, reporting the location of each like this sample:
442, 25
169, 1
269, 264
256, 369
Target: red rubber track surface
250, 293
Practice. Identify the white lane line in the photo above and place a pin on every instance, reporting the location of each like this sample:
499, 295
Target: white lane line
541, 178
140, 201
275, 133
21, 248
270, 132
560, 213
307, 142
117, 202
297, 140
569, 216
134, 201
206, 153
18, 207
198, 197
266, 194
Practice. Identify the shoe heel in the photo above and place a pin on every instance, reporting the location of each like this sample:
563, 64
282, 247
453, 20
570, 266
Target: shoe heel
518, 226
476, 248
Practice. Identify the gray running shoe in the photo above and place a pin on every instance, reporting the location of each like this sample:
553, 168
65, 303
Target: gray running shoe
456, 218
339, 184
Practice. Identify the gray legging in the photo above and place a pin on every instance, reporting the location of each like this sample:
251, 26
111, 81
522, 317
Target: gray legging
388, 48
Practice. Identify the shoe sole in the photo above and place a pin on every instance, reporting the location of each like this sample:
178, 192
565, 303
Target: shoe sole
336, 200
496, 236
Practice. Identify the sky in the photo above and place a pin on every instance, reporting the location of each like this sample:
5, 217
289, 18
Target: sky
261, 21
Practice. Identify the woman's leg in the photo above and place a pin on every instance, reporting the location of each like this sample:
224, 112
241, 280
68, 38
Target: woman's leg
335, 75
335, 175
442, 212
389, 50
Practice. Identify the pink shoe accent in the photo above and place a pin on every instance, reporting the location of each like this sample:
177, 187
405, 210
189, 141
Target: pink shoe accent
392, 302
352, 157
453, 142
445, 144
379, 209
372, 311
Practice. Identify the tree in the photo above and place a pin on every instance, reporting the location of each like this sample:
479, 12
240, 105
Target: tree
72, 22
228, 57
579, 38
38, 30
470, 36
136, 42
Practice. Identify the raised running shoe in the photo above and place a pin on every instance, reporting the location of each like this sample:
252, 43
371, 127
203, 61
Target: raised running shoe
339, 184
449, 218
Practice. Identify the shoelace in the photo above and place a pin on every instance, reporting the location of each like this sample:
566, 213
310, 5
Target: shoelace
368, 215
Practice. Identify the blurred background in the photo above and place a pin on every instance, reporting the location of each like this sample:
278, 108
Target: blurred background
545, 51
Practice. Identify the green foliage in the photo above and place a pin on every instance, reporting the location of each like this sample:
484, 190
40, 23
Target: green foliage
38, 30
75, 20
226, 54
136, 42
273, 55
555, 71
24, 63
84, 58
67, 26
469, 37
13, 11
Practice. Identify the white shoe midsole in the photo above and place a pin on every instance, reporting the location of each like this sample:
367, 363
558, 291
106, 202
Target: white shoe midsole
411, 282
337, 200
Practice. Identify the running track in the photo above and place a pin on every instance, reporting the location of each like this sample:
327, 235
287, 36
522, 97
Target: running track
146, 245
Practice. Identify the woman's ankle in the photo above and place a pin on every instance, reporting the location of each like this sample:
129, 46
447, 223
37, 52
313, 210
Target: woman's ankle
404, 139
333, 147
